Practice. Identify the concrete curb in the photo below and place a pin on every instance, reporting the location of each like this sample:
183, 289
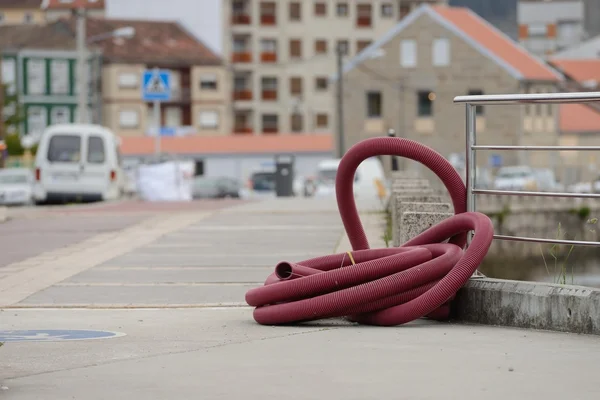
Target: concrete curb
532, 305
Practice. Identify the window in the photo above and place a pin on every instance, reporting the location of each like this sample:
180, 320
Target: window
208, 82
59, 77
362, 44
268, 45
477, 92
341, 9
320, 46
343, 46
297, 122
321, 83
295, 48
404, 11
1, 17
363, 15
128, 80
425, 103
387, 10
322, 121
28, 18
408, 53
296, 86
320, 9
440, 52
129, 119
96, 154
374, 104
60, 115
208, 119
37, 119
270, 123
64, 148
268, 12
295, 11
269, 88
239, 45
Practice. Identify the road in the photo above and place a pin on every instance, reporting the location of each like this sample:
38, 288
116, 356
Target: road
170, 279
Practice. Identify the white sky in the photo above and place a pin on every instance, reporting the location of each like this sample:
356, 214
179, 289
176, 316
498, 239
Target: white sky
201, 17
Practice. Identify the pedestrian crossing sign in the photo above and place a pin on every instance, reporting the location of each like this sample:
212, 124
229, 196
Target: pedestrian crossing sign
156, 85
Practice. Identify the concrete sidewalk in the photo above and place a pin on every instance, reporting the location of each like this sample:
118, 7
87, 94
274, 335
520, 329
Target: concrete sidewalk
174, 286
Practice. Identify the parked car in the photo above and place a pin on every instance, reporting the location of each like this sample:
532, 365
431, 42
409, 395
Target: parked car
546, 180
520, 178
16, 186
215, 188
77, 162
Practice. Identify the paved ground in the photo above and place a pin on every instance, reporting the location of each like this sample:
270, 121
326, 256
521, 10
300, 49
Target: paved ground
174, 284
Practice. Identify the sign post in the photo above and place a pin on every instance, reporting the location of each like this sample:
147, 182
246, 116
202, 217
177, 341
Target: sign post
156, 88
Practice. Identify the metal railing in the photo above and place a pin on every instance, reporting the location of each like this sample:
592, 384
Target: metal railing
471, 148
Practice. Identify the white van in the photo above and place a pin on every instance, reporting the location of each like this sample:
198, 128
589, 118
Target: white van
77, 162
366, 179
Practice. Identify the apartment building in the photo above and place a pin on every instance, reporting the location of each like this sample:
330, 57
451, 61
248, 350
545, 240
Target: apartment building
282, 53
14, 12
408, 79
42, 65
546, 27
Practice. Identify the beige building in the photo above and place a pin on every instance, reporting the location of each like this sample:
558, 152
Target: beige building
408, 79
282, 54
15, 12
47, 86
200, 82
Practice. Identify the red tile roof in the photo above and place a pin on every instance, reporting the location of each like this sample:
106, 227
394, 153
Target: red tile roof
578, 118
87, 4
20, 4
580, 70
231, 144
496, 42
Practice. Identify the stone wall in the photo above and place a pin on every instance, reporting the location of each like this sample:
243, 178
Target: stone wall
415, 206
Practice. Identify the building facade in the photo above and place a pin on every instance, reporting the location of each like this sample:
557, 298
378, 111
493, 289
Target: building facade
282, 53
548, 27
408, 79
15, 12
42, 62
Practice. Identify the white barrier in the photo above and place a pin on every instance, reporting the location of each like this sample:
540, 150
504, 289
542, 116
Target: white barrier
170, 181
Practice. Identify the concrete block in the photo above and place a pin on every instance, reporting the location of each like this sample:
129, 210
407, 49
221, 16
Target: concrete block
3, 214
530, 305
413, 223
404, 175
414, 207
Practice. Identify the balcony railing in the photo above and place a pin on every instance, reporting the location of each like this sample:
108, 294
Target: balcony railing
270, 130
363, 21
242, 130
268, 19
241, 57
268, 57
240, 19
242, 94
269, 94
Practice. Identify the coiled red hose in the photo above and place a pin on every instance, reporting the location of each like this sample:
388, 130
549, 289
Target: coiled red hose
390, 286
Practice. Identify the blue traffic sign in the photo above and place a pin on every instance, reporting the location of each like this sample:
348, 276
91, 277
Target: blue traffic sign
49, 335
156, 85
495, 161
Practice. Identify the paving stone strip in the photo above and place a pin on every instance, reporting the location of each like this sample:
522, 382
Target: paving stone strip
28, 277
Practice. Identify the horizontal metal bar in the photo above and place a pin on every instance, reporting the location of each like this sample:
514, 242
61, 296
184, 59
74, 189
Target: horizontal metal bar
575, 97
550, 241
540, 194
536, 148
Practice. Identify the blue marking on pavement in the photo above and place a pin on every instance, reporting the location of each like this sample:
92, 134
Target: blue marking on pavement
51, 335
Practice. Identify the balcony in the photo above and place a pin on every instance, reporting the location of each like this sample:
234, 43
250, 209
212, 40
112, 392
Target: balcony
241, 57
242, 130
268, 57
269, 94
242, 94
240, 19
181, 95
270, 130
363, 21
268, 19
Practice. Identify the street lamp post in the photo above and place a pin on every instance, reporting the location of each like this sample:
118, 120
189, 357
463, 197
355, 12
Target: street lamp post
82, 57
392, 133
